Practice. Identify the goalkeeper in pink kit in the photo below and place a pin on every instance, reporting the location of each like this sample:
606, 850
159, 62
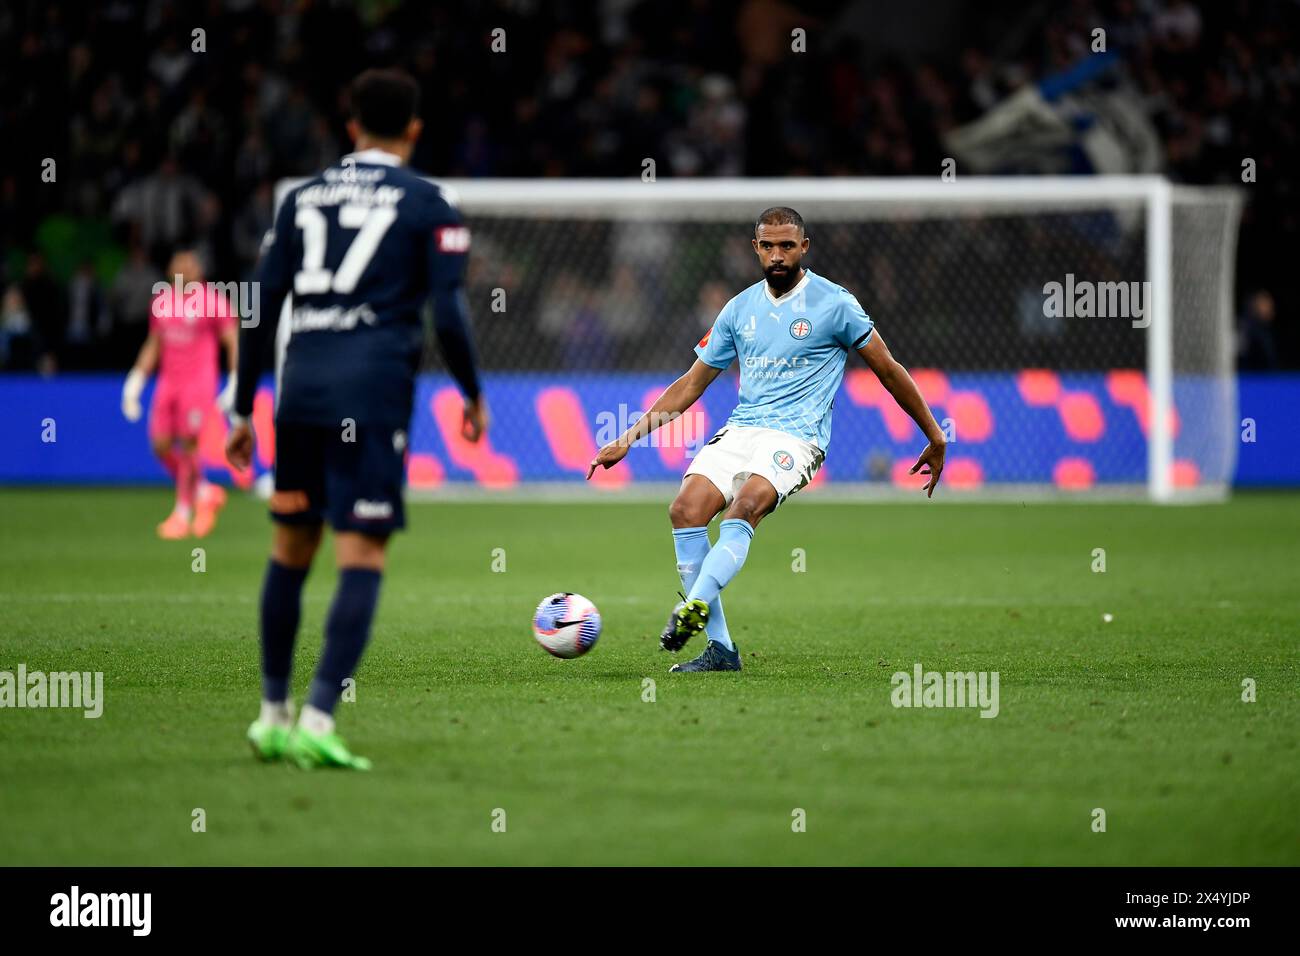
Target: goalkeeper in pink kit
184, 332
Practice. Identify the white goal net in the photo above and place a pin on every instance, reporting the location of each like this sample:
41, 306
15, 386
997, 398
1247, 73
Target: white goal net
1073, 335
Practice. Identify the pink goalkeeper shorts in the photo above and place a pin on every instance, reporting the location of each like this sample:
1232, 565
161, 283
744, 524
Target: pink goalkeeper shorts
179, 408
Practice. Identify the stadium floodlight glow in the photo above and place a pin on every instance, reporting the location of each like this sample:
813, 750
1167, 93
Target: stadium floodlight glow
955, 273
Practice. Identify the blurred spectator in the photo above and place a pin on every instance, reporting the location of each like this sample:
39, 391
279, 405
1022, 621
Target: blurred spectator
167, 208
170, 62
1177, 25
16, 347
251, 224
623, 306
713, 297
291, 133
253, 160
713, 143
43, 300
130, 299
197, 138
88, 319
1256, 348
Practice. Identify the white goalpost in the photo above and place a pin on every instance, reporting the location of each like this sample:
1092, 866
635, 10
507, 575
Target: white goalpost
1075, 333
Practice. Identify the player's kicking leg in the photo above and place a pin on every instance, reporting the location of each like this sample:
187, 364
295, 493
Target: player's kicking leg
757, 469
292, 548
757, 498
696, 504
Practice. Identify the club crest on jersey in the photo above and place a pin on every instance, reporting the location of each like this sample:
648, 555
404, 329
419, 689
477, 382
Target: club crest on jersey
800, 328
783, 459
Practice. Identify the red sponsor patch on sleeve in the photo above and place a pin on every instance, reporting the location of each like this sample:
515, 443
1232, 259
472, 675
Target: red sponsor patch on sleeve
452, 239
705, 341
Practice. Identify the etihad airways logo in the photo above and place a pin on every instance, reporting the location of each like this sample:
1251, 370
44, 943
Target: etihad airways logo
767, 361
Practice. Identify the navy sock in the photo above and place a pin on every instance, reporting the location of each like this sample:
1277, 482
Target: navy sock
281, 609
347, 629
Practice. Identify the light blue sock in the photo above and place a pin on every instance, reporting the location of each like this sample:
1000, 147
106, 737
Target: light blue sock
724, 561
692, 545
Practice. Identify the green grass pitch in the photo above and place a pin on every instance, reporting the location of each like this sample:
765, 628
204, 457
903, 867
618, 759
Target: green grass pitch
463, 714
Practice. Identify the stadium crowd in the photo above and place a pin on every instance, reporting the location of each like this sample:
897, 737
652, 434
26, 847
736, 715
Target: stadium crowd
168, 123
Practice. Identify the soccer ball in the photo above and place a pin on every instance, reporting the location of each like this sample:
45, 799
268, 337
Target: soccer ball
566, 624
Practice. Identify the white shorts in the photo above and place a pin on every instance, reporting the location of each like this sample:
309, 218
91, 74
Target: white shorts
738, 451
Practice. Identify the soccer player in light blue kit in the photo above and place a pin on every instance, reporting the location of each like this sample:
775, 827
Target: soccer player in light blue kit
791, 333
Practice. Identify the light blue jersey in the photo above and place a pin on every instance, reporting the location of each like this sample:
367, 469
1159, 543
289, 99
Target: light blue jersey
792, 351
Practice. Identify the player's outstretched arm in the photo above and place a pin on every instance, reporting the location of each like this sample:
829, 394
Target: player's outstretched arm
676, 398
145, 363
899, 384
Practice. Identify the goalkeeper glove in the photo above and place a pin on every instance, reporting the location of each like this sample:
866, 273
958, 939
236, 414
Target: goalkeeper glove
131, 391
226, 400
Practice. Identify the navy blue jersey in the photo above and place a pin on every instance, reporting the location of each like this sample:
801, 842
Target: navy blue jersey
360, 248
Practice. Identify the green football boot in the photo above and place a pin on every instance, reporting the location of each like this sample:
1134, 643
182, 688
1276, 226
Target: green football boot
687, 620
267, 740
309, 750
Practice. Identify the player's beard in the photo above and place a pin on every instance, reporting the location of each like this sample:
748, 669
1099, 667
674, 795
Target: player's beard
782, 282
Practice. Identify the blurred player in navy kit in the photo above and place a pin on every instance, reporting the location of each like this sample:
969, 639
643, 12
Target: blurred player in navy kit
360, 247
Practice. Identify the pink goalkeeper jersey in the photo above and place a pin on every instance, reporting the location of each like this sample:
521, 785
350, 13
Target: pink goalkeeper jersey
189, 329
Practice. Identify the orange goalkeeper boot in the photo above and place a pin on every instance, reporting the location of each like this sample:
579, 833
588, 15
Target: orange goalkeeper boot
211, 500
176, 526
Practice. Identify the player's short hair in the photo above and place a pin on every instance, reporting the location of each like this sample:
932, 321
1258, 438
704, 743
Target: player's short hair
383, 102
779, 216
